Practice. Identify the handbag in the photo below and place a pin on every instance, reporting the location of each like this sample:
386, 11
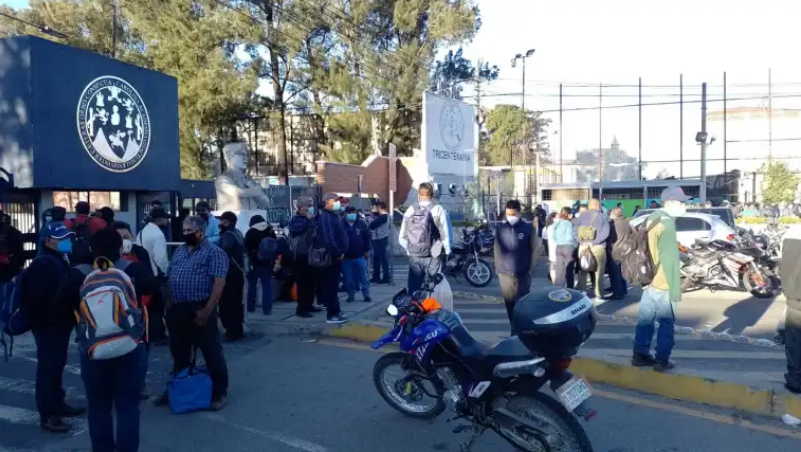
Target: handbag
190, 389
587, 260
319, 256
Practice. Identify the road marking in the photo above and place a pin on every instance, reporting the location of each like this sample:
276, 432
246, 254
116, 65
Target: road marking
21, 416
29, 387
300, 444
723, 419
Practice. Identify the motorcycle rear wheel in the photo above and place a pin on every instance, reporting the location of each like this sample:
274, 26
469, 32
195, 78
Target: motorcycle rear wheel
391, 395
552, 417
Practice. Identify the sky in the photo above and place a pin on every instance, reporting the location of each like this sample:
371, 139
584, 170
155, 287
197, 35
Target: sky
615, 42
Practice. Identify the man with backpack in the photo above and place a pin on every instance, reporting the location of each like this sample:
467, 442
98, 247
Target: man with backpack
51, 323
54, 213
302, 232
232, 314
84, 226
112, 349
261, 270
592, 231
425, 234
654, 263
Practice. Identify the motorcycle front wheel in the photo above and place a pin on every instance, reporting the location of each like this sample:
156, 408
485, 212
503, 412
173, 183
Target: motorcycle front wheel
564, 432
478, 273
760, 284
404, 394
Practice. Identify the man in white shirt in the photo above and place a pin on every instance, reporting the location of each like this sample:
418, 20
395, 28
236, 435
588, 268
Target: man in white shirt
152, 239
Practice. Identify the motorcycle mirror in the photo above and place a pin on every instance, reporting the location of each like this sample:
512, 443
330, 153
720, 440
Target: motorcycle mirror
392, 310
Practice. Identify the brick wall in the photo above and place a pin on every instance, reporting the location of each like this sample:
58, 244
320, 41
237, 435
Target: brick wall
344, 178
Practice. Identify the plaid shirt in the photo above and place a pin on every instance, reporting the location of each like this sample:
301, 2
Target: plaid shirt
192, 273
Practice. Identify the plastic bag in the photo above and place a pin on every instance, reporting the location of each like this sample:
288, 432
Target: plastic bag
443, 294
587, 260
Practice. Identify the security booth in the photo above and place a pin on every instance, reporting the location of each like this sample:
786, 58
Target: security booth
79, 126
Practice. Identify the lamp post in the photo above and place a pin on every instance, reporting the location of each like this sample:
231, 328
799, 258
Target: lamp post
42, 28
522, 57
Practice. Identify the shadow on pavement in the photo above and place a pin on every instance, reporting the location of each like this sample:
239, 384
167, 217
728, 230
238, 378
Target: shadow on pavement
743, 314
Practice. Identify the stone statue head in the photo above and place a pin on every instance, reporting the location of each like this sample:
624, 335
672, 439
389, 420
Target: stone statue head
236, 156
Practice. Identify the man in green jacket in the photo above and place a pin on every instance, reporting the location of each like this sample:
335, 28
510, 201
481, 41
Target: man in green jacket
659, 298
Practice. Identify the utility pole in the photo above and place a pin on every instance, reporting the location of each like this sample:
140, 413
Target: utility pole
639, 127
523, 57
600, 141
703, 143
770, 116
115, 13
561, 169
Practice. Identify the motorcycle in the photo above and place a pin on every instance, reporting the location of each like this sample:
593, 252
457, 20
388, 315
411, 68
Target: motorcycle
720, 264
492, 387
464, 258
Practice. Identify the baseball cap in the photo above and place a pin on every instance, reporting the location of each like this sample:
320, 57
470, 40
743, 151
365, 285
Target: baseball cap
674, 193
56, 230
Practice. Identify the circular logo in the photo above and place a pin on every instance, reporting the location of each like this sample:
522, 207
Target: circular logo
560, 296
451, 126
113, 124
520, 236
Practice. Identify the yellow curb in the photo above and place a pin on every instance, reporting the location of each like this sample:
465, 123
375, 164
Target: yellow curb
688, 388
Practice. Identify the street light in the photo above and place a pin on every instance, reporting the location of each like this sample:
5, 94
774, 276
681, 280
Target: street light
522, 57
42, 28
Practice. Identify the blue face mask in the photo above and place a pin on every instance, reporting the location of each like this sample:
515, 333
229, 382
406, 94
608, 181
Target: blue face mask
64, 246
337, 206
351, 217
311, 211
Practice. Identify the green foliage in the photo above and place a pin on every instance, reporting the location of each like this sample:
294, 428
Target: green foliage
455, 70
780, 184
514, 137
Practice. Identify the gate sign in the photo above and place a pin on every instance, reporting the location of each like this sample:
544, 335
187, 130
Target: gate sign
449, 136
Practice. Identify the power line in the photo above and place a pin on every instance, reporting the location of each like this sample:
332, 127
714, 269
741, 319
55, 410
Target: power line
42, 28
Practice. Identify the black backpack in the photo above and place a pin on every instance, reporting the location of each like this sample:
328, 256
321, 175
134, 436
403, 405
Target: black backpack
300, 244
420, 230
80, 244
634, 255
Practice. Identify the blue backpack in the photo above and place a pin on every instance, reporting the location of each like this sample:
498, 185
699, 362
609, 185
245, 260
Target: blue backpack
13, 321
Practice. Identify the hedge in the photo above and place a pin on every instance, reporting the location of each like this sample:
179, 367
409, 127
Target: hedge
762, 220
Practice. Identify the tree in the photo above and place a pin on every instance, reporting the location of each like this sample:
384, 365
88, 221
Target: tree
513, 137
455, 70
779, 184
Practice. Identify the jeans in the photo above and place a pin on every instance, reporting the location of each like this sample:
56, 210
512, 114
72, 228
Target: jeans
328, 287
792, 347
513, 288
380, 261
564, 266
655, 305
419, 268
355, 271
52, 347
616, 280
114, 383
599, 251
185, 335
265, 275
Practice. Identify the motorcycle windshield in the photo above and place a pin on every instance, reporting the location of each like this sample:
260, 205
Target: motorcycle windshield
389, 337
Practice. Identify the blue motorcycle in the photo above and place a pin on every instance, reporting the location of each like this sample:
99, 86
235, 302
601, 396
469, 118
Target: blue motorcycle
497, 387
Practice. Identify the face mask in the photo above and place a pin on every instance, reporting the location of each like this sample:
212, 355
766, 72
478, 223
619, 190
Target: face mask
64, 246
512, 220
351, 217
676, 211
310, 211
337, 206
127, 246
190, 239
48, 219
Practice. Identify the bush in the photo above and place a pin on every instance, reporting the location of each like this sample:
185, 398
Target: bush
761, 220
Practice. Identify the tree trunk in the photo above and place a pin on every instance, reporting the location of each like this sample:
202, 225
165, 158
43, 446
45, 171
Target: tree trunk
280, 138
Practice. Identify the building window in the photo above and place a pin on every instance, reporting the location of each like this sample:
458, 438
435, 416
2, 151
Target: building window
96, 199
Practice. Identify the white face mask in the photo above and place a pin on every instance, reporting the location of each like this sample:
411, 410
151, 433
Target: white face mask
127, 246
676, 210
512, 220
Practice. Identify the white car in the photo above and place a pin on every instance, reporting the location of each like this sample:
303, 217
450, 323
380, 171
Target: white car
692, 226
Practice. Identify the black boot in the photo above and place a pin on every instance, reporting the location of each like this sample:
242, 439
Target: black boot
640, 360
54, 424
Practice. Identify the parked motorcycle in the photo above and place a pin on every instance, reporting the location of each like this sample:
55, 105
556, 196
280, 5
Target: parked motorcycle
493, 387
722, 265
464, 258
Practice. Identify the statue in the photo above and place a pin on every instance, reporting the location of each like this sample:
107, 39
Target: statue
236, 191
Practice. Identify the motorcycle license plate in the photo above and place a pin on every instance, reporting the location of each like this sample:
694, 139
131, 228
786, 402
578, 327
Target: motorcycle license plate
574, 392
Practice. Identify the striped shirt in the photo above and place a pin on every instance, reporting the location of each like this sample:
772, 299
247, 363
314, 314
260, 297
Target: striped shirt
192, 273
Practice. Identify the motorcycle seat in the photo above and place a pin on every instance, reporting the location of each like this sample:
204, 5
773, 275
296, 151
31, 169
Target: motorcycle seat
483, 357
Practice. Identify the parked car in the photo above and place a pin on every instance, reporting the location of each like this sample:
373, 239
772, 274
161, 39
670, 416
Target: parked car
724, 213
692, 226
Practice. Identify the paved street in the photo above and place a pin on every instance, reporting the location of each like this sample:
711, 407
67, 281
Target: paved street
288, 395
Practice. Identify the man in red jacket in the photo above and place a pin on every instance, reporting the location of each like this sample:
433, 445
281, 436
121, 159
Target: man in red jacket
82, 217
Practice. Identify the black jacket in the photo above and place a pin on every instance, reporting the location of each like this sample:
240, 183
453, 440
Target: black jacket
40, 283
253, 239
16, 251
68, 296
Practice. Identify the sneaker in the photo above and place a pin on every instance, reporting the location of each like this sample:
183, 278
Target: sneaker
367, 299
337, 319
70, 411
305, 315
162, 400
55, 424
640, 360
664, 365
219, 403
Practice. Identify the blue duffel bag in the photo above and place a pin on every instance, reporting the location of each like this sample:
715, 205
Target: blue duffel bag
190, 389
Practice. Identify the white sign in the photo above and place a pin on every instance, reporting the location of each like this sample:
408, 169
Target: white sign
113, 124
449, 136
393, 170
